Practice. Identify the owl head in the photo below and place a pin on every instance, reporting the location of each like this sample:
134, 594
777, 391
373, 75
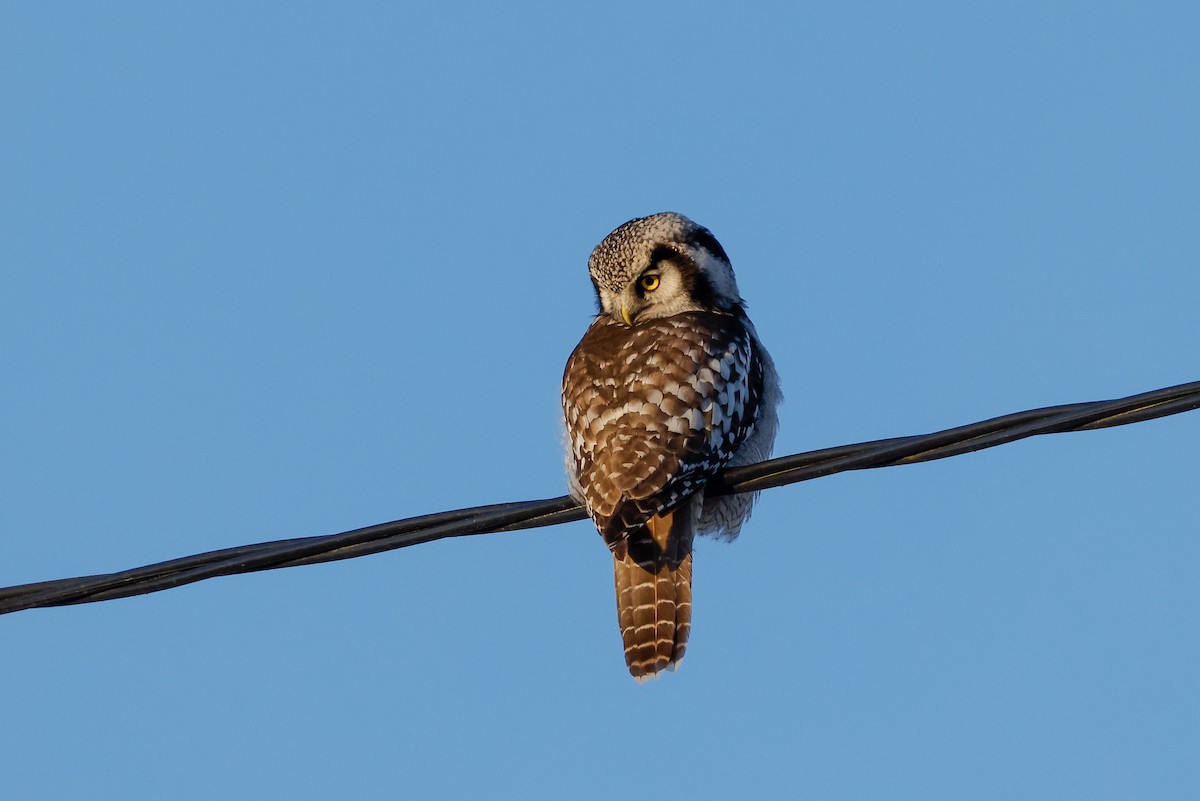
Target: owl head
659, 266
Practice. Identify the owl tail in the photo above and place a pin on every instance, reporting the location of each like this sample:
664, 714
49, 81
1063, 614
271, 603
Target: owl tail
654, 594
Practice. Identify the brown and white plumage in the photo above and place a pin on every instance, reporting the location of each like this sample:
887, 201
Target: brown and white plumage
668, 386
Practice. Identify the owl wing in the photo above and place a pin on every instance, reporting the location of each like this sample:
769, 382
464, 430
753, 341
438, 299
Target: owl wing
654, 411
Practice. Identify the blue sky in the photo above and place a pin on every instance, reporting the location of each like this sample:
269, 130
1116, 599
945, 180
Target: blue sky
275, 270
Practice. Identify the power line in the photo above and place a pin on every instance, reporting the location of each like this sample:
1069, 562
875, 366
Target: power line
532, 514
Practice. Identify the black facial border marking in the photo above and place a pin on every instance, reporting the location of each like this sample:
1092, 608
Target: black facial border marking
695, 283
704, 238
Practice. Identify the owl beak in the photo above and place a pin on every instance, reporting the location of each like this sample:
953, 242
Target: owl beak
626, 316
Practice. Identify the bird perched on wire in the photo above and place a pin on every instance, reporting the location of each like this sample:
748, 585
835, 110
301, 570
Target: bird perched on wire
669, 385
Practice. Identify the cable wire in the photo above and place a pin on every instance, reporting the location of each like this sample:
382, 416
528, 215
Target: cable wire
552, 511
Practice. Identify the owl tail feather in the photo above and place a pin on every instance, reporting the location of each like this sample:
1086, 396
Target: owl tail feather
654, 595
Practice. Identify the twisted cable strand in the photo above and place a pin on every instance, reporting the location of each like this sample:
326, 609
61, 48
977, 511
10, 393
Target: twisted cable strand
552, 511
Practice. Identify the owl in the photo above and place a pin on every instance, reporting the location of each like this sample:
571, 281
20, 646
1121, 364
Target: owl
669, 385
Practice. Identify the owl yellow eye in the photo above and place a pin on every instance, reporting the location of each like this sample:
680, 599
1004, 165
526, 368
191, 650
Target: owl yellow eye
649, 282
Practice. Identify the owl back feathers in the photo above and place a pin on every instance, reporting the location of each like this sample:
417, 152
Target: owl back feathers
653, 412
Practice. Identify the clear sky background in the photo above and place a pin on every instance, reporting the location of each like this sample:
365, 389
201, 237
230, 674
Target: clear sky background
275, 270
